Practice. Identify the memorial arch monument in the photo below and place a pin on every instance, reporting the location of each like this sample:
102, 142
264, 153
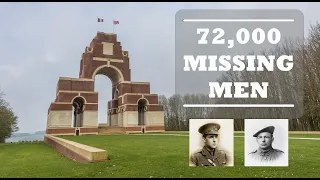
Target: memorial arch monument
132, 107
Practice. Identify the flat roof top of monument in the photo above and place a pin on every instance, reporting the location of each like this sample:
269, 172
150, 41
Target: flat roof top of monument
99, 32
104, 34
105, 37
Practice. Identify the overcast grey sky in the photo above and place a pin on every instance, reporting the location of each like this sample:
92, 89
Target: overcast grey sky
41, 42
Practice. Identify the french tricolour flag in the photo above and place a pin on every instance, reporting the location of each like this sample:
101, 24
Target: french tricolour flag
100, 19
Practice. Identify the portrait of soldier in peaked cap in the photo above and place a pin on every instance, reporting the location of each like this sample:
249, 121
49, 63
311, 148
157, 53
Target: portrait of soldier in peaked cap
210, 154
264, 152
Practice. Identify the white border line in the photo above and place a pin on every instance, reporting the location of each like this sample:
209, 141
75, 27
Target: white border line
238, 20
238, 105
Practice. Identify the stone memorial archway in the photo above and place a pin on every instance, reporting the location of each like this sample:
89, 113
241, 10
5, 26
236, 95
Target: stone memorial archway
131, 102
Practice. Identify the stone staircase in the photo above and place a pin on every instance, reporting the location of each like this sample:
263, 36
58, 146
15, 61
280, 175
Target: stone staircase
111, 130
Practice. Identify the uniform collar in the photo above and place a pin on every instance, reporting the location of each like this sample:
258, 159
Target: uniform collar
208, 153
265, 151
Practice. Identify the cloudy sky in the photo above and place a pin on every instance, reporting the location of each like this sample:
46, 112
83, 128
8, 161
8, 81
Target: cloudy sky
40, 42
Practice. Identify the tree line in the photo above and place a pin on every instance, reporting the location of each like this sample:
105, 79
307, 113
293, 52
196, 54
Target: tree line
306, 51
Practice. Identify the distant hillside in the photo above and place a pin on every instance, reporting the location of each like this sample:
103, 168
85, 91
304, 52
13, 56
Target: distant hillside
27, 134
20, 134
40, 132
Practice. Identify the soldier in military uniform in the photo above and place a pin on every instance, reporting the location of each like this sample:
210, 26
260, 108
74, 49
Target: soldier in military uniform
265, 152
209, 155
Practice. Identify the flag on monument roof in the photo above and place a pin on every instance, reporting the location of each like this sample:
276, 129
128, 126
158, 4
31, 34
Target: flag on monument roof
100, 19
115, 22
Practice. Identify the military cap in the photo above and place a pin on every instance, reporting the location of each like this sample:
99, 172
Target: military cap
269, 129
210, 128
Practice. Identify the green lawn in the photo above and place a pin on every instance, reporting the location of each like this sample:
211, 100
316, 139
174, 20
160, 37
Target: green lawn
148, 156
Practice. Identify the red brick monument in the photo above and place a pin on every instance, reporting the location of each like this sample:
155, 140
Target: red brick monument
132, 107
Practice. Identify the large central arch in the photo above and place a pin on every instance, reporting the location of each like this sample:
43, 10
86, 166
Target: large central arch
112, 72
127, 108
116, 77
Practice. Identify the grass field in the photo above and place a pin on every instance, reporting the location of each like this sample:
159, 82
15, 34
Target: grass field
149, 156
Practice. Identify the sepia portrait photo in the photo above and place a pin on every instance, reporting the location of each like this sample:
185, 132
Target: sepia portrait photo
211, 142
266, 142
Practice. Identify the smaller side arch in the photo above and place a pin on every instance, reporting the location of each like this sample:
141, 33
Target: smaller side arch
78, 103
142, 104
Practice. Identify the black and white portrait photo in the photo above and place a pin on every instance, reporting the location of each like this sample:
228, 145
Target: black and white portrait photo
266, 142
211, 142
